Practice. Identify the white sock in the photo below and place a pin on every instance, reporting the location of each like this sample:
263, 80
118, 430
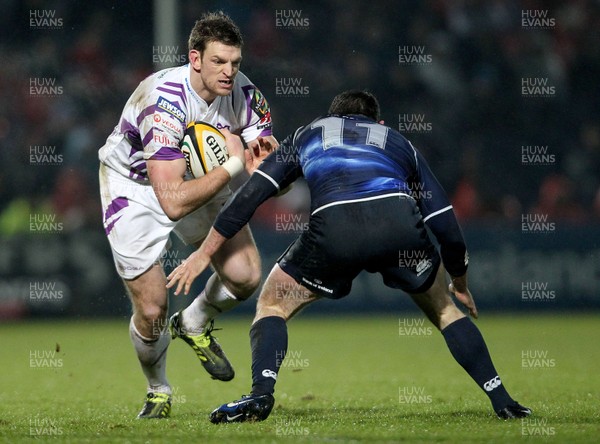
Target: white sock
152, 354
214, 299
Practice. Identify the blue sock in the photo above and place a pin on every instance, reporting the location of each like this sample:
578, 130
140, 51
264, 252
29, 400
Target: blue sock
269, 342
468, 348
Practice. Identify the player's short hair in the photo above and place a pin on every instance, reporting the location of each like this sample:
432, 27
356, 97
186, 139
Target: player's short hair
355, 102
214, 27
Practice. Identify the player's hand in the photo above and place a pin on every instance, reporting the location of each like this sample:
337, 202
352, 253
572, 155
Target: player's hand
234, 144
187, 271
257, 150
459, 288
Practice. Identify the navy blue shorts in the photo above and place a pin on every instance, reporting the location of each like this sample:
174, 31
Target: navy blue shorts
385, 236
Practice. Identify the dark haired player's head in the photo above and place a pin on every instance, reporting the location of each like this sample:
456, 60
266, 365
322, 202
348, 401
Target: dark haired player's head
214, 27
355, 102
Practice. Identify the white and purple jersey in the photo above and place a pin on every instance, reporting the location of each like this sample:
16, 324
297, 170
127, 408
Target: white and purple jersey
157, 113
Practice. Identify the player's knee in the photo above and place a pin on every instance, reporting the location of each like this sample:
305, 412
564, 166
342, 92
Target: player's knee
153, 318
244, 284
243, 290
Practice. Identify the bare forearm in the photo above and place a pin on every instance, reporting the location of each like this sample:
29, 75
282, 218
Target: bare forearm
182, 197
178, 197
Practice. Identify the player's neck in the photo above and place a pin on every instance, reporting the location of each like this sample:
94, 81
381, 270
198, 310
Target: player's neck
200, 89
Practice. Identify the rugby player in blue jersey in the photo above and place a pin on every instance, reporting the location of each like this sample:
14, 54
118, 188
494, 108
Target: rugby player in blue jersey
372, 193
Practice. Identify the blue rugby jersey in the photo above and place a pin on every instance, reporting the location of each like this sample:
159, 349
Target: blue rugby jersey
347, 159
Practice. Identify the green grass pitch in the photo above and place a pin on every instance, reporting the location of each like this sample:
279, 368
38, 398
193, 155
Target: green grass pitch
347, 379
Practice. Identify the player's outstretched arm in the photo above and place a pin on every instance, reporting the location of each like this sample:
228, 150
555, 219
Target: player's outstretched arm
459, 288
196, 263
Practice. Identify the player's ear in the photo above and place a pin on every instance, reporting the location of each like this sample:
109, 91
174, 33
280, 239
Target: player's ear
381, 122
195, 57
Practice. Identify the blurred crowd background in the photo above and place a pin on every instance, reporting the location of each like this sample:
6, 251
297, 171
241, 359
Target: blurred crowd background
68, 67
469, 93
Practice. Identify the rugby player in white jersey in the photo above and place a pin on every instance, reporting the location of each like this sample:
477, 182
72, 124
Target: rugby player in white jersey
146, 193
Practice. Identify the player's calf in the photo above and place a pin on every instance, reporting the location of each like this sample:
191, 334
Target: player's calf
150, 302
238, 265
468, 347
282, 296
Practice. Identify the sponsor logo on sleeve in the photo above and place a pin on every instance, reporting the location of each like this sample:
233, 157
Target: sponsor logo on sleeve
166, 123
259, 104
163, 139
265, 121
171, 108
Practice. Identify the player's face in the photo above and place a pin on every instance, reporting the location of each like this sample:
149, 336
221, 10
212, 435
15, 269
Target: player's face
217, 65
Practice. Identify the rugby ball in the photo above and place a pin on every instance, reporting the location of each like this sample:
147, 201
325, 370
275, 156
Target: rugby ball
204, 148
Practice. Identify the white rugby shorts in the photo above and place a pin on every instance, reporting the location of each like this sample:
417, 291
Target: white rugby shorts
137, 227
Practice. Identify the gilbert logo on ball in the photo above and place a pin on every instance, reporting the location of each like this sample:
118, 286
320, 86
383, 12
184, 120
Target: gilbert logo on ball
204, 148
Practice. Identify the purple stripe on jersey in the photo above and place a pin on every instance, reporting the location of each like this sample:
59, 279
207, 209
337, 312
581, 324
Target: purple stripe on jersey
180, 93
266, 132
135, 150
246, 90
113, 208
132, 134
148, 137
146, 112
167, 153
138, 170
111, 225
